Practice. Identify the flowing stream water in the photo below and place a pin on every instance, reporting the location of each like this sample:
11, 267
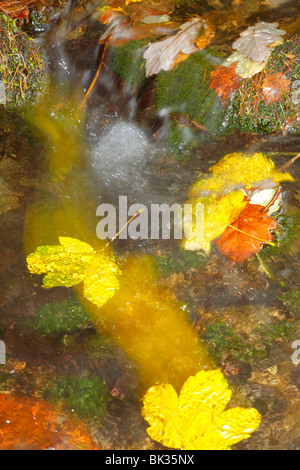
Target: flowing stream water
176, 312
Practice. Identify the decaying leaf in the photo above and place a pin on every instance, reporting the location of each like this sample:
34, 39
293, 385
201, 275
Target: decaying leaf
245, 68
196, 420
257, 42
74, 262
274, 86
224, 81
164, 54
126, 22
247, 234
28, 424
19, 9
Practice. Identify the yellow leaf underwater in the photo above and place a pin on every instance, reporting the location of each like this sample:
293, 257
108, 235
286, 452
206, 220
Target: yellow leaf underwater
218, 214
196, 419
73, 262
238, 171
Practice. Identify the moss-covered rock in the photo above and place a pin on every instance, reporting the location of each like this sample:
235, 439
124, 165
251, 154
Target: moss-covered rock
22, 63
283, 237
248, 110
185, 91
129, 64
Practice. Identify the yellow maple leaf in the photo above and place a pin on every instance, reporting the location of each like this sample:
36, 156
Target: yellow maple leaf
238, 171
73, 262
197, 419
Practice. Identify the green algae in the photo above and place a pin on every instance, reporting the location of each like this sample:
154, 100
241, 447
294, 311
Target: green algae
180, 261
219, 338
86, 396
271, 332
291, 300
62, 317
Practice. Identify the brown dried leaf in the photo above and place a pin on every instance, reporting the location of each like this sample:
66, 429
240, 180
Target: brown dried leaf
274, 86
224, 81
164, 54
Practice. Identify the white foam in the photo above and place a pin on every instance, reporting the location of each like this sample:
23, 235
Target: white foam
121, 155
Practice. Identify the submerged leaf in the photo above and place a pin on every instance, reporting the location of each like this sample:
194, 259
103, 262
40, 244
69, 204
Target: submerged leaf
28, 424
164, 54
247, 234
244, 67
274, 86
238, 171
224, 81
73, 262
256, 42
196, 420
218, 214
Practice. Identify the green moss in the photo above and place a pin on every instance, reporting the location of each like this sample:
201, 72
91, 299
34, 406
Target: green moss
87, 397
21, 62
270, 332
179, 261
128, 62
220, 338
283, 237
54, 318
185, 91
291, 300
248, 111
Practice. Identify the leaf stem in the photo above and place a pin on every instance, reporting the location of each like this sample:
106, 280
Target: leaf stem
268, 272
252, 236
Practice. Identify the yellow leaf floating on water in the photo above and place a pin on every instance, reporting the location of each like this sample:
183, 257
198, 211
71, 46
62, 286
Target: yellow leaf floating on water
218, 214
223, 194
72, 262
238, 171
196, 420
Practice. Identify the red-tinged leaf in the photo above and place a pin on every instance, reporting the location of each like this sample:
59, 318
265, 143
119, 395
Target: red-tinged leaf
247, 234
224, 81
28, 424
274, 86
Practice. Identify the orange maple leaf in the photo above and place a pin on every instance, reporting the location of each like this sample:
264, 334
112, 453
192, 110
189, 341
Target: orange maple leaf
224, 81
247, 234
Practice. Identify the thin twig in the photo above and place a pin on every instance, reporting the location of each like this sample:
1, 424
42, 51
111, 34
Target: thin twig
124, 226
92, 85
289, 163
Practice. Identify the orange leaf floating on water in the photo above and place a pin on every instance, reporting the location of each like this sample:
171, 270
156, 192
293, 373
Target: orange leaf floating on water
274, 86
224, 81
247, 234
28, 424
